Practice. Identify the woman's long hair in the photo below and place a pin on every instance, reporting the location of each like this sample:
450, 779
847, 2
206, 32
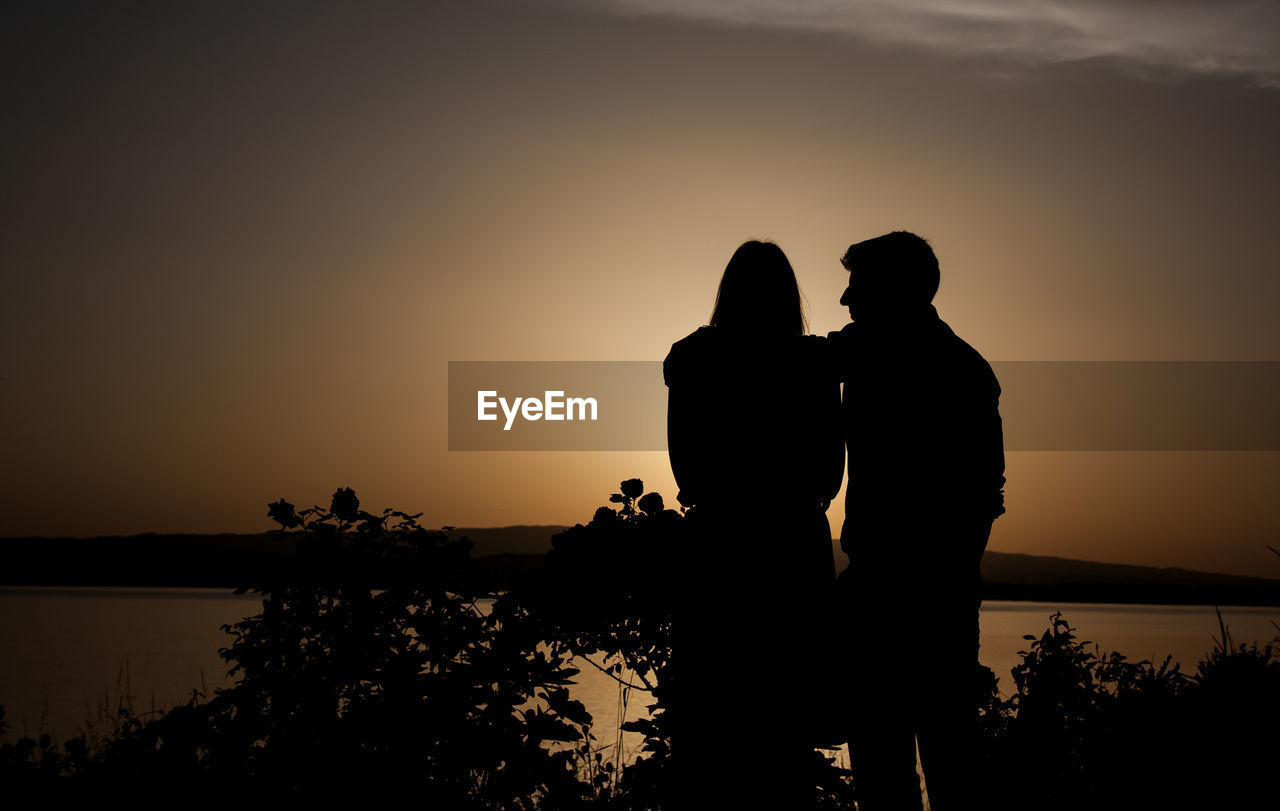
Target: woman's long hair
758, 292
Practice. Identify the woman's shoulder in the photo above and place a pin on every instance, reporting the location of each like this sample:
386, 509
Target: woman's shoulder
687, 353
699, 337
712, 351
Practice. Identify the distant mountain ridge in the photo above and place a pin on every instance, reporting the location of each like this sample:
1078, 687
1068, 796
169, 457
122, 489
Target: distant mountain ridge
1006, 575
230, 560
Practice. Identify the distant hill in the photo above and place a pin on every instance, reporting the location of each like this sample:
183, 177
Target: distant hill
521, 539
1011, 576
231, 560
1006, 576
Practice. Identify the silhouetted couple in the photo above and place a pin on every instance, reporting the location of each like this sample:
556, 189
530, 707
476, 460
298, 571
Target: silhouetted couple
772, 655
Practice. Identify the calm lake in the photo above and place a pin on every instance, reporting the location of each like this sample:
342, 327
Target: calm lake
66, 654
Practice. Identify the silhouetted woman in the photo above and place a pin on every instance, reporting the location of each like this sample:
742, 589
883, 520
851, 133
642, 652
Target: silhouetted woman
753, 426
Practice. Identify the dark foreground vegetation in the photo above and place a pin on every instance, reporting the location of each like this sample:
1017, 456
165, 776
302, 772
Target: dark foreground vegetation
451, 687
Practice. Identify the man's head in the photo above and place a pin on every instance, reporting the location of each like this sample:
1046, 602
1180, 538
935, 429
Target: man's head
894, 275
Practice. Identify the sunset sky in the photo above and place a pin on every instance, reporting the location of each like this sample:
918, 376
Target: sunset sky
241, 242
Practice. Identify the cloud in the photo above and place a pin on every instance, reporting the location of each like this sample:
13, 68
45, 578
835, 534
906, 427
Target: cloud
1236, 38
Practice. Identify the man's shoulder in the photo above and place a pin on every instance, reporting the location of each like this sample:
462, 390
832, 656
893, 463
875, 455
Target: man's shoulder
965, 359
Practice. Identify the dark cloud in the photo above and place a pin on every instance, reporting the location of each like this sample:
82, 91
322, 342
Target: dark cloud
1236, 38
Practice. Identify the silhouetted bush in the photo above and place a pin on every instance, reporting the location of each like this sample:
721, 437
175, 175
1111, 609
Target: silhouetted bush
607, 596
1084, 729
609, 592
427, 686
388, 665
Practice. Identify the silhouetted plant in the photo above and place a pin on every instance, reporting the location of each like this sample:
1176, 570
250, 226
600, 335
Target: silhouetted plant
606, 596
1099, 730
36, 764
625, 567
1232, 718
387, 663
32, 761
385, 666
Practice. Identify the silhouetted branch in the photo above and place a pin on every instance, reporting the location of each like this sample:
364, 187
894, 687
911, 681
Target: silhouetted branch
646, 686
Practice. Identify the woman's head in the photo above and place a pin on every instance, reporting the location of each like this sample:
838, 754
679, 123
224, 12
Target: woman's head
758, 292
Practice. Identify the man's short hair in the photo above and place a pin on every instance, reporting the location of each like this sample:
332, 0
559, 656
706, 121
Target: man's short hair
900, 264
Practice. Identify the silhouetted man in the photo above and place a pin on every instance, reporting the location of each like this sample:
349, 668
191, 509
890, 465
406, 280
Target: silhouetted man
926, 472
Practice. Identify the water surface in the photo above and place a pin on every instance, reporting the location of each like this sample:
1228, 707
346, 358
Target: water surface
66, 655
